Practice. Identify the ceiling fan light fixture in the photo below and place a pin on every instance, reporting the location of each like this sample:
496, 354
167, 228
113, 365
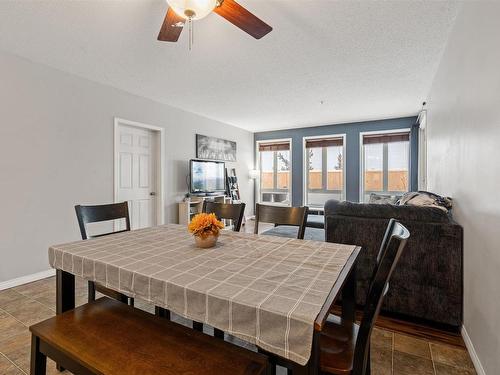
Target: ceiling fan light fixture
192, 9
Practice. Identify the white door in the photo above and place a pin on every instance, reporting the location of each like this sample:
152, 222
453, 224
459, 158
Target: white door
137, 174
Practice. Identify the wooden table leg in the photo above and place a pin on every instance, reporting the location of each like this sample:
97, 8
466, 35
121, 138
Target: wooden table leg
65, 299
65, 287
349, 297
312, 367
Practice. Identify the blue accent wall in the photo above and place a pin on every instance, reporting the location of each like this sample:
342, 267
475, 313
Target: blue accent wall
352, 160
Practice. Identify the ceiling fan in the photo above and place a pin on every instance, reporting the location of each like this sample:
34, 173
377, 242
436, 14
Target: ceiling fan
182, 11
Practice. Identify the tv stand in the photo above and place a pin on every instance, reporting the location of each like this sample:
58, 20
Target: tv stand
201, 195
194, 205
212, 194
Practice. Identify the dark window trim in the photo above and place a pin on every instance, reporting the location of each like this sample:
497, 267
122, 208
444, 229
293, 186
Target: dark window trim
325, 141
398, 135
275, 147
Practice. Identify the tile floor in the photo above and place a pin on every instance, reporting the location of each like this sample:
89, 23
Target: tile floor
392, 353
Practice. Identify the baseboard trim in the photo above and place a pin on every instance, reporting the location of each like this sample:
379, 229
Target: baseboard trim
26, 279
472, 352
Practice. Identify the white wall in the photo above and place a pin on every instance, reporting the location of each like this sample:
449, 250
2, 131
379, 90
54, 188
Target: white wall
464, 163
56, 150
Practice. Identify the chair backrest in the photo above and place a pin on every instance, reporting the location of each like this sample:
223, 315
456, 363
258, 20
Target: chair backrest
385, 241
392, 247
279, 215
105, 212
226, 211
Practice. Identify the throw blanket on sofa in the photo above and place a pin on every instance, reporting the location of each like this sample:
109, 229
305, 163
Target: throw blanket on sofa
424, 198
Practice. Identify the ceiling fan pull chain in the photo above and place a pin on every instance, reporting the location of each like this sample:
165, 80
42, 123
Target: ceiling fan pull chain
191, 33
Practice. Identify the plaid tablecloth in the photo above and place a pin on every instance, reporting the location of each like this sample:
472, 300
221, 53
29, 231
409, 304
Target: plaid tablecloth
263, 289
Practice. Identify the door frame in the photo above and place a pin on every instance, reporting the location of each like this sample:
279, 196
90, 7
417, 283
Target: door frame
159, 139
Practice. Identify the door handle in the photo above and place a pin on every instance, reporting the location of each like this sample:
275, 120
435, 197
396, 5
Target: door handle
152, 193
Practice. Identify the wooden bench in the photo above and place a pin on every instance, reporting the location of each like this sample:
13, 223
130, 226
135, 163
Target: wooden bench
107, 337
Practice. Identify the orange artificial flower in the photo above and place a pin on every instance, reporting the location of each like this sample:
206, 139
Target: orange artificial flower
204, 225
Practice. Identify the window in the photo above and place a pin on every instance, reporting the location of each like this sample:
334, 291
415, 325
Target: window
385, 164
275, 170
324, 170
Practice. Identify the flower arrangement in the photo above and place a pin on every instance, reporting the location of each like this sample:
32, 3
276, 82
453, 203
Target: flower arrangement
204, 225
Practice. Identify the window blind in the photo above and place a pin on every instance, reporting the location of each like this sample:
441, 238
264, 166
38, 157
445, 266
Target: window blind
386, 138
324, 142
274, 146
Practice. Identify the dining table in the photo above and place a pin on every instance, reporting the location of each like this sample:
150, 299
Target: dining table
273, 292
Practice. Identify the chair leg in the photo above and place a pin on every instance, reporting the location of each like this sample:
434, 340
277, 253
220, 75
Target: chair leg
369, 363
131, 301
38, 365
197, 326
218, 333
162, 313
298, 370
91, 291
271, 368
123, 299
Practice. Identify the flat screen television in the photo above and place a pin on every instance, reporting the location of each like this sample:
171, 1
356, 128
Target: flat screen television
207, 177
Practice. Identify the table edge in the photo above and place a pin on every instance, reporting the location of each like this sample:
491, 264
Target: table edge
336, 289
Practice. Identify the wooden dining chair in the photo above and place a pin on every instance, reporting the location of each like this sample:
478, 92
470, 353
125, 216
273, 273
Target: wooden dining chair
279, 215
95, 214
344, 345
228, 211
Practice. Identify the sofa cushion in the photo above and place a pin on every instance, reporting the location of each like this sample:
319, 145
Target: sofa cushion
386, 211
315, 234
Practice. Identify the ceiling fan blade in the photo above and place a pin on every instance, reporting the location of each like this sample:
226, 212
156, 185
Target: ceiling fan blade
172, 27
242, 18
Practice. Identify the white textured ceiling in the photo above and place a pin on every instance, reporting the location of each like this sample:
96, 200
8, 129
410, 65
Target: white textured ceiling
364, 60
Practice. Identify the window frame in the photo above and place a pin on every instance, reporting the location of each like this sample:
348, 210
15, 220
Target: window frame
385, 171
422, 150
324, 168
275, 166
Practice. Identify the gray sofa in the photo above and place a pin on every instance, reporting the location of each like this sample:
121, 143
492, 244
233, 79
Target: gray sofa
427, 284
